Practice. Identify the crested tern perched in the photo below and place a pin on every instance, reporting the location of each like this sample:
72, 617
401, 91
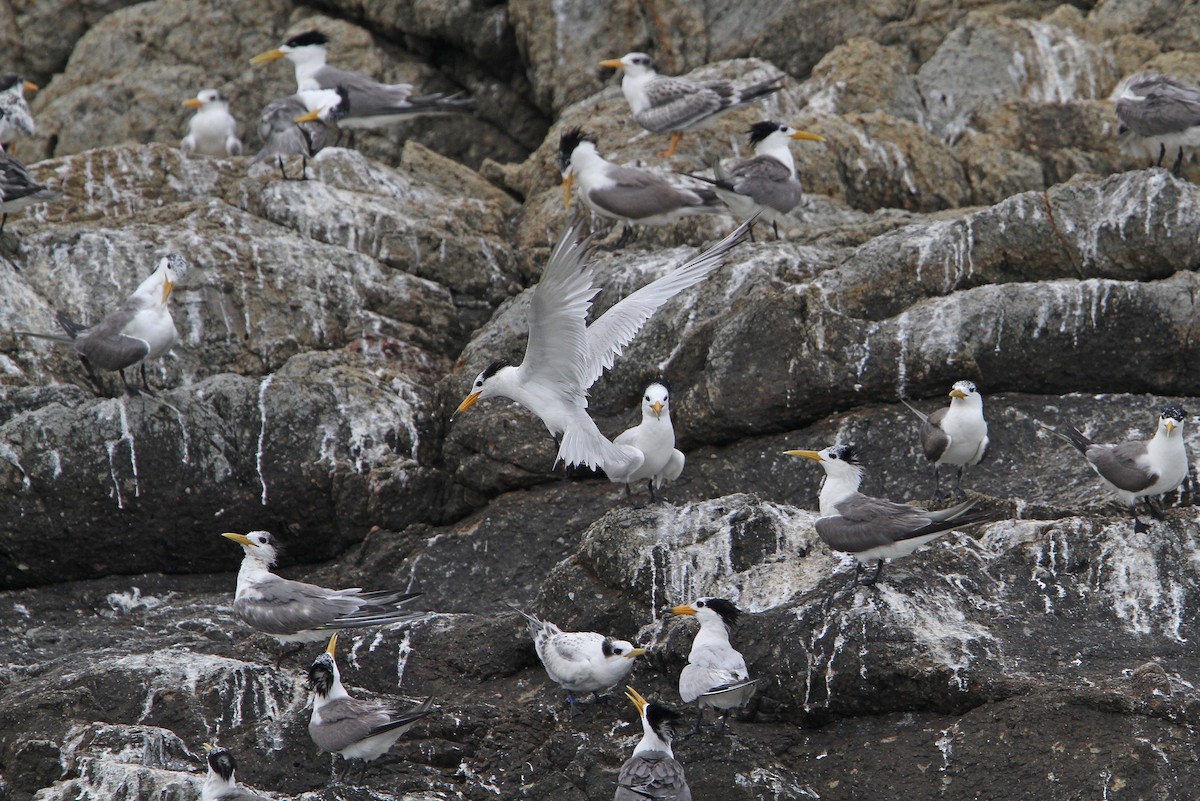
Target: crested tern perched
212, 130
220, 784
15, 117
874, 529
18, 189
1138, 468
674, 105
655, 438
954, 435
372, 104
652, 772
1159, 110
296, 612
716, 673
141, 329
283, 136
580, 661
767, 183
623, 193
564, 356
354, 728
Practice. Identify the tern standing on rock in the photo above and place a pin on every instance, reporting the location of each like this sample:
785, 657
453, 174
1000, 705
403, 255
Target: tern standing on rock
212, 131
1160, 110
581, 661
955, 435
1139, 468
675, 105
652, 773
716, 673
874, 529
654, 437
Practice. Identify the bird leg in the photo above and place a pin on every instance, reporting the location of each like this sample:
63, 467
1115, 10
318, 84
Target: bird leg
1156, 508
145, 383
1162, 151
3, 220
699, 720
629, 497
572, 704
350, 144
937, 485
1178, 163
282, 171
671, 148
1138, 526
775, 227
304, 168
958, 484
722, 727
130, 389
868, 581
650, 486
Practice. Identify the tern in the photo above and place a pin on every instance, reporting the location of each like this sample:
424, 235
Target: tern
212, 131
564, 356
581, 661
1160, 110
652, 772
955, 435
372, 104
141, 329
1138, 468
15, 118
220, 784
874, 529
766, 184
296, 612
283, 136
716, 673
18, 189
354, 728
674, 105
654, 437
623, 193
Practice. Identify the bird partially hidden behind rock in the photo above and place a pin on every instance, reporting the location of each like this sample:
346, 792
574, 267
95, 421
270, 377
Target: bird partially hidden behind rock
955, 435
220, 784
15, 117
354, 728
580, 661
655, 438
652, 772
212, 130
18, 189
141, 329
874, 529
1137, 469
296, 612
716, 674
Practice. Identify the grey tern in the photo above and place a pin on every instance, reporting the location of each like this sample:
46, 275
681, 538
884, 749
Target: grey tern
283, 136
1160, 110
955, 435
716, 674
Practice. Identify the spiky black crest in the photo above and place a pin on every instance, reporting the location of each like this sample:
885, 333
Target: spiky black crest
728, 612
1175, 412
494, 368
222, 763
662, 720
847, 453
308, 38
9, 80
320, 675
761, 130
571, 139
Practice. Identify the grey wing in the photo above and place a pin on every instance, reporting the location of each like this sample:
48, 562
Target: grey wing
934, 440
367, 97
345, 722
280, 134
281, 606
240, 794
638, 195
652, 775
768, 181
676, 104
104, 346
864, 522
1118, 465
1168, 107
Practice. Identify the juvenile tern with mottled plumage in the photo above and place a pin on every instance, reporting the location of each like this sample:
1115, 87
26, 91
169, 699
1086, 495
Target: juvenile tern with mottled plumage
296, 612
674, 105
1159, 110
564, 356
220, 784
716, 674
655, 438
874, 529
212, 130
15, 117
766, 184
955, 435
652, 773
580, 661
352, 727
1138, 468
283, 136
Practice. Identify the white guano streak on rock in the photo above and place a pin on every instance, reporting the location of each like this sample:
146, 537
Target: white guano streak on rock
262, 433
9, 454
1065, 64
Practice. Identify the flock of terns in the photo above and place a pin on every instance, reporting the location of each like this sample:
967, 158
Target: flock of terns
564, 356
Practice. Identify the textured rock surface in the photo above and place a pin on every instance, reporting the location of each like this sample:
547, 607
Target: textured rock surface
969, 216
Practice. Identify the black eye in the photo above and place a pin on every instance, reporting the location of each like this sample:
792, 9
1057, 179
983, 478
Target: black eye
833, 456
647, 397
617, 651
700, 604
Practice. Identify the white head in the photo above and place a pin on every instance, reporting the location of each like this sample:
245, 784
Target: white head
1170, 422
485, 384
634, 65
156, 288
305, 49
208, 98
656, 402
257, 545
965, 392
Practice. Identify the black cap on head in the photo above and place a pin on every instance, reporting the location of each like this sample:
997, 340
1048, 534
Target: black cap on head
662, 720
9, 80
494, 368
568, 141
728, 612
307, 38
222, 763
846, 452
1175, 412
761, 130
320, 675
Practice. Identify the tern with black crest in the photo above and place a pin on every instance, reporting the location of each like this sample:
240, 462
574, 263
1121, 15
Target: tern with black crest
220, 783
652, 773
955, 435
715, 675
874, 529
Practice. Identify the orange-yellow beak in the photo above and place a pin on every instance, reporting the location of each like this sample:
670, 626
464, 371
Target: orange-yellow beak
637, 699
636, 652
167, 287
311, 116
30, 86
683, 609
814, 455
957, 393
657, 408
808, 137
467, 403
195, 102
615, 63
332, 645
240, 539
1170, 426
568, 182
270, 55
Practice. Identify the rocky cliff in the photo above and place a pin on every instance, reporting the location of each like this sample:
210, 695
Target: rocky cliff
969, 216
